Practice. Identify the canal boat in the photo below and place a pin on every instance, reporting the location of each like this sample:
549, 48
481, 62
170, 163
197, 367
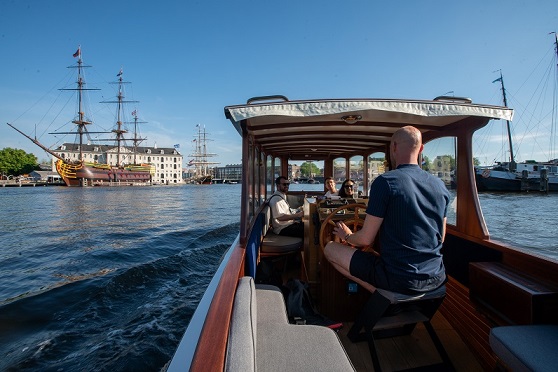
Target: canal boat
490, 284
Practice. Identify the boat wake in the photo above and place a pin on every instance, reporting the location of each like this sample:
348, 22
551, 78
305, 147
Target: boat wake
123, 318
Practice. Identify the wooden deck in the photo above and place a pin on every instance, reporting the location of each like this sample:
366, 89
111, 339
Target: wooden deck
413, 351
405, 352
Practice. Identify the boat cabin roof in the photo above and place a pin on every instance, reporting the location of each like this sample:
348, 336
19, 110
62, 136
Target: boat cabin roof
332, 128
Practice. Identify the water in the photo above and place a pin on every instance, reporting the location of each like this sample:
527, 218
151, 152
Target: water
107, 278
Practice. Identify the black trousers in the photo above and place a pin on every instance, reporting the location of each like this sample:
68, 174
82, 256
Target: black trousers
296, 229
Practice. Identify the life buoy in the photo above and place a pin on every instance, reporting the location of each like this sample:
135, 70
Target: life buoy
486, 173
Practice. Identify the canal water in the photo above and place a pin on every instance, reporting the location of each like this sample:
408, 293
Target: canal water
106, 279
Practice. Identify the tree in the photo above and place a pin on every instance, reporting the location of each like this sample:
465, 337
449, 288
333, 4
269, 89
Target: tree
16, 162
476, 162
309, 169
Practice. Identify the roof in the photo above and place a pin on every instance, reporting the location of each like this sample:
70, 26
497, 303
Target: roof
320, 129
110, 148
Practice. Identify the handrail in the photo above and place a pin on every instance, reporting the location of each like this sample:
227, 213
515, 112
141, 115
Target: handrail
267, 98
184, 356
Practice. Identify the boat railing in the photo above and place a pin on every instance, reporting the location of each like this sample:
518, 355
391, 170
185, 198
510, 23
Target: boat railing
184, 354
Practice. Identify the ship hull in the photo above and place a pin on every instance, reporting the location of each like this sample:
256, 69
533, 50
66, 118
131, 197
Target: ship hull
506, 181
103, 175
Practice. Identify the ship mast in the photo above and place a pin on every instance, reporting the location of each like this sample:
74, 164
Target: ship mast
512, 158
80, 119
554, 102
136, 140
119, 131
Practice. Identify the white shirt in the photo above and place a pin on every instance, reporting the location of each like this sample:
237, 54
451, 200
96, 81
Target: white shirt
329, 194
279, 207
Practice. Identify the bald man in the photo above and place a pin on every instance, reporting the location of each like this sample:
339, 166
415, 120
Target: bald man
408, 207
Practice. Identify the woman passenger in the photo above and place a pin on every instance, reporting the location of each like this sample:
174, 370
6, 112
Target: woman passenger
348, 189
330, 187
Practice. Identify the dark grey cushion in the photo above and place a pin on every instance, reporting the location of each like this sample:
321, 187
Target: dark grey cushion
273, 243
526, 347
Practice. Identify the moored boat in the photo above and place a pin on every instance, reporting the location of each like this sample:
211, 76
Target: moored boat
80, 172
490, 284
200, 159
528, 175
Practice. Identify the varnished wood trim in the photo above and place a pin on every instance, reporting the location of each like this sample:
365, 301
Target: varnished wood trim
212, 345
471, 325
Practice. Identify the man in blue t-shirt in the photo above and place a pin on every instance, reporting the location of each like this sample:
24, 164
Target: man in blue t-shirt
407, 207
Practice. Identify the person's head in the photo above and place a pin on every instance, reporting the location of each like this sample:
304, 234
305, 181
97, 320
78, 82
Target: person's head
405, 146
330, 185
282, 184
347, 189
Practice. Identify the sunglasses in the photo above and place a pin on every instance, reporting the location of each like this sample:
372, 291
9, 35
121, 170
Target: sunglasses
285, 184
348, 186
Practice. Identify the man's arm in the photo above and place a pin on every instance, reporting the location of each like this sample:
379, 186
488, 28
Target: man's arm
364, 236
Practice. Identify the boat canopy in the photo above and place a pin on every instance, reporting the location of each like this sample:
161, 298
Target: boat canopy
326, 129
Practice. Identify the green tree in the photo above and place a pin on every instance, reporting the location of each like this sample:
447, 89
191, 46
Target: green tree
476, 162
16, 162
426, 164
309, 169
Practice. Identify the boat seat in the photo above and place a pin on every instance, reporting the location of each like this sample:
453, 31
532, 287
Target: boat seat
261, 338
390, 314
526, 347
274, 244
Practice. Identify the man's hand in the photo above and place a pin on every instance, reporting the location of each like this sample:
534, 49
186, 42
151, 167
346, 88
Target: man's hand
341, 230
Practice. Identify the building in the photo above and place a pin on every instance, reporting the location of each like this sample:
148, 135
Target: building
228, 173
167, 161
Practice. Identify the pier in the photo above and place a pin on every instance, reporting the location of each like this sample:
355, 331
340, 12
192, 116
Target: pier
26, 183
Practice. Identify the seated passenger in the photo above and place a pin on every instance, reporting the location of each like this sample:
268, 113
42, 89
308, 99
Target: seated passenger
284, 219
330, 187
348, 189
408, 208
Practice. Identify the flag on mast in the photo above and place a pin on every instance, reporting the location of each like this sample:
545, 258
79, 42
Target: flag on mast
78, 52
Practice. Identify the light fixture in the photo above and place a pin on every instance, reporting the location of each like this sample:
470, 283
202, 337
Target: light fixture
351, 119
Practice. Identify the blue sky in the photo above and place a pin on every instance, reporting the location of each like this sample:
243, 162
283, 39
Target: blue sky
189, 59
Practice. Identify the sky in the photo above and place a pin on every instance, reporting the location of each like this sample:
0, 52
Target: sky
187, 60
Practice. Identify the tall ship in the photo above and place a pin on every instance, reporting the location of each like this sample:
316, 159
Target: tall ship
200, 159
528, 175
100, 171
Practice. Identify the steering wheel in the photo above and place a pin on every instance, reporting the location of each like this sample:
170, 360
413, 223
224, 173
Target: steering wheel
353, 221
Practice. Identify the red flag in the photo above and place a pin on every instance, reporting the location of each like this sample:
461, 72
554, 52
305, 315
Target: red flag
78, 52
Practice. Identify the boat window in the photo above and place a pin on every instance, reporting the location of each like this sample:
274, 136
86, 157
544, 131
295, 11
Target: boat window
339, 169
356, 171
269, 175
250, 175
439, 159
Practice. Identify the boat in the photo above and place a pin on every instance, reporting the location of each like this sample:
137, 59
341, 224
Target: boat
202, 171
99, 172
515, 176
490, 284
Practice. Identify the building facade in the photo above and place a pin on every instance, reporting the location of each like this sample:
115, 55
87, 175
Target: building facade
167, 161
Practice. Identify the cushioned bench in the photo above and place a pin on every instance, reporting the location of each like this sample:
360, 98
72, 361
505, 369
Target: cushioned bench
526, 347
273, 244
261, 338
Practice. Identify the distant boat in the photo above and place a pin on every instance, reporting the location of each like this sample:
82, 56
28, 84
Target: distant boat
529, 175
202, 173
99, 172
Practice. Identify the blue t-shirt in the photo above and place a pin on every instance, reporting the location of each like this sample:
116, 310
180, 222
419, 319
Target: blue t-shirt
413, 204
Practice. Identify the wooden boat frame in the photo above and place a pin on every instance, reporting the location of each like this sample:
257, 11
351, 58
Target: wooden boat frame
274, 127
